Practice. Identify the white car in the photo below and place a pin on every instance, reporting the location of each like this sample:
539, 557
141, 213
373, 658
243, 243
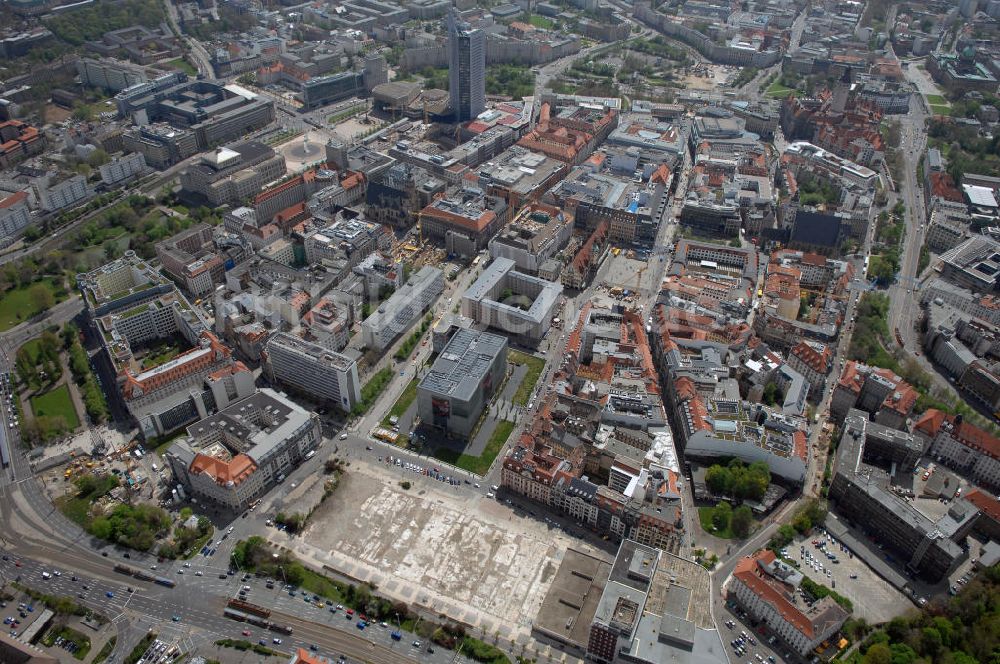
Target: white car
343, 436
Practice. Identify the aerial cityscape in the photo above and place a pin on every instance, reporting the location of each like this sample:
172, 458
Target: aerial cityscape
499, 331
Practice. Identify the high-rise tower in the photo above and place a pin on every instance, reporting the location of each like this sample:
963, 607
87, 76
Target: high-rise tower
467, 69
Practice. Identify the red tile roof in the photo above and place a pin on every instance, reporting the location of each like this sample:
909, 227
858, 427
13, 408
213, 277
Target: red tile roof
986, 503
965, 433
748, 570
236, 470
13, 199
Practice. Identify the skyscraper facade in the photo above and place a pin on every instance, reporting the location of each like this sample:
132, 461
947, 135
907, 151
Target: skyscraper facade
467, 69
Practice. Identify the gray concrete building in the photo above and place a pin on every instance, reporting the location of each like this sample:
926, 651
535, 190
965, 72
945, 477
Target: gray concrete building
454, 393
314, 370
512, 301
403, 309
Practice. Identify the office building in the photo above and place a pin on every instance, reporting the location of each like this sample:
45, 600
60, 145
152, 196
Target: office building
714, 428
459, 386
973, 264
466, 69
322, 90
511, 301
197, 258
813, 361
879, 392
869, 490
463, 222
231, 175
645, 614
131, 307
403, 308
329, 323
520, 176
767, 589
233, 457
314, 370
534, 237
175, 117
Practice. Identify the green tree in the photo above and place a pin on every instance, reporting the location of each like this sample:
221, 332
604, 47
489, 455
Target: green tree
718, 479
930, 641
41, 296
879, 653
721, 515
771, 394
741, 521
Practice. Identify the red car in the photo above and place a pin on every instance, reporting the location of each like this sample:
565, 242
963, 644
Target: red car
246, 632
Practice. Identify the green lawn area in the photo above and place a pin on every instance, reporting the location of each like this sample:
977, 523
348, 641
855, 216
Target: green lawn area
184, 66
20, 304
479, 464
535, 367
402, 403
705, 517
937, 109
33, 348
778, 91
69, 634
937, 100
161, 353
542, 22
56, 403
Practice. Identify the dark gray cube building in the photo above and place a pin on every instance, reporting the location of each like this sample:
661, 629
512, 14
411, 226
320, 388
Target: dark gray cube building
454, 393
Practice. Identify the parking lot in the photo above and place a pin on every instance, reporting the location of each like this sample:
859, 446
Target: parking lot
873, 597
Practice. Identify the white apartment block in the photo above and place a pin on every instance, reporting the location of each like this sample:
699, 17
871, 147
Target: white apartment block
62, 195
123, 168
314, 370
14, 219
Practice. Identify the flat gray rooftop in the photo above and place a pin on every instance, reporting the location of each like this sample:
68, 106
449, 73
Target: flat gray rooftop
463, 363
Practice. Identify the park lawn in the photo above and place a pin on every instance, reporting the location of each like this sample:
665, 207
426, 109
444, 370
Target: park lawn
937, 100
402, 403
17, 305
56, 403
705, 517
778, 91
184, 66
32, 348
479, 465
541, 22
937, 109
535, 367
